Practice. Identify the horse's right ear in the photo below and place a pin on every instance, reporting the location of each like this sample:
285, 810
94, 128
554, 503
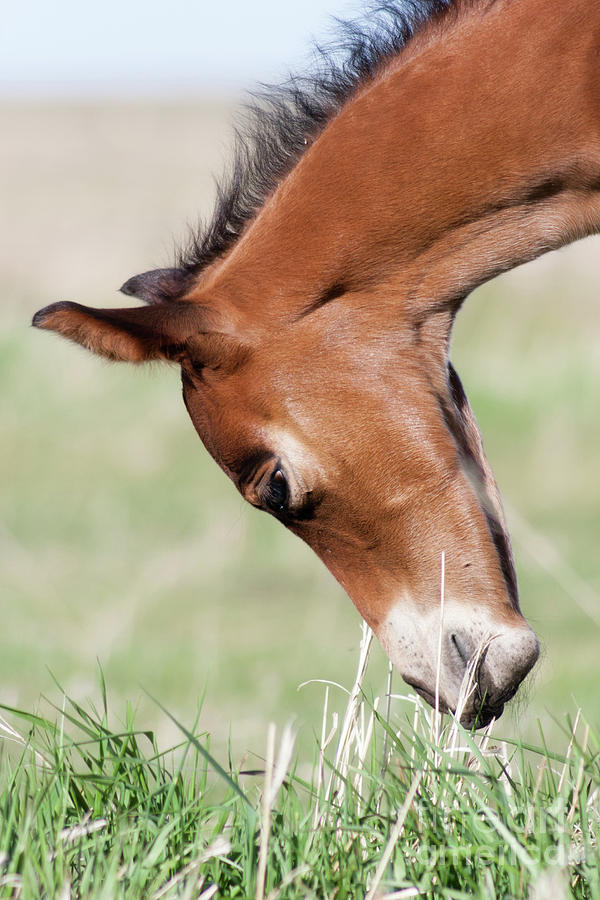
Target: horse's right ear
165, 331
157, 285
140, 334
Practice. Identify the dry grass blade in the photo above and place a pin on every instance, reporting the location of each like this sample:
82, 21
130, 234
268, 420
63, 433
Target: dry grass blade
569, 751
209, 893
86, 826
11, 734
350, 726
219, 847
467, 688
265, 823
436, 716
388, 709
289, 879
325, 742
404, 894
393, 839
579, 780
282, 765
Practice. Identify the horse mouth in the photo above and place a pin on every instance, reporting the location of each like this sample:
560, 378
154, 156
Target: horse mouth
427, 695
486, 708
479, 715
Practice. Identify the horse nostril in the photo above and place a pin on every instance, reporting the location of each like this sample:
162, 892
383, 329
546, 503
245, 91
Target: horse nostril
497, 663
461, 649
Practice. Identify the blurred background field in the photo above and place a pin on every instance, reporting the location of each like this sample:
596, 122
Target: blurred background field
120, 540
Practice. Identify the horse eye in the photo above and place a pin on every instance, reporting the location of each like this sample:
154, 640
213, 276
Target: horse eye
276, 493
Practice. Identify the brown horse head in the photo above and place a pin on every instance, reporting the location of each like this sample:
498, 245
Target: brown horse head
360, 440
312, 320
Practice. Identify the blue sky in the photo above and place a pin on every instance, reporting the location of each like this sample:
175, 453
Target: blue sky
137, 47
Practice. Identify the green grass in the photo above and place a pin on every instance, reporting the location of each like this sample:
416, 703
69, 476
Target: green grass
395, 806
121, 542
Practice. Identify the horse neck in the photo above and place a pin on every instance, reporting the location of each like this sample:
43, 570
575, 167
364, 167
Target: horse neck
476, 149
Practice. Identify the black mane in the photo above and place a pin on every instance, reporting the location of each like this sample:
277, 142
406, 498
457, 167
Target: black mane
281, 121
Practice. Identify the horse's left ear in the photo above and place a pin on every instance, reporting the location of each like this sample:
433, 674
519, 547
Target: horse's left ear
158, 285
133, 335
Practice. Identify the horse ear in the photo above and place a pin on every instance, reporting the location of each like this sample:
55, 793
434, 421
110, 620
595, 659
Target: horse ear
132, 335
157, 286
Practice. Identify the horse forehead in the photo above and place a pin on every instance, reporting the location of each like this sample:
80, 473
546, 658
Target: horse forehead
315, 377
311, 395
308, 378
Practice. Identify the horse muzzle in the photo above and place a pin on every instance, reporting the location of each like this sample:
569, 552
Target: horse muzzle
473, 670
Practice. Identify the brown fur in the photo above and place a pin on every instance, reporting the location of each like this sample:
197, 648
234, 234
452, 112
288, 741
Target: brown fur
474, 150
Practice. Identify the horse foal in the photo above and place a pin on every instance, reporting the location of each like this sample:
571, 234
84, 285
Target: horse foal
312, 318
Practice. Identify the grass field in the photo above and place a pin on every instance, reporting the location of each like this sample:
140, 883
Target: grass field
410, 809
121, 542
